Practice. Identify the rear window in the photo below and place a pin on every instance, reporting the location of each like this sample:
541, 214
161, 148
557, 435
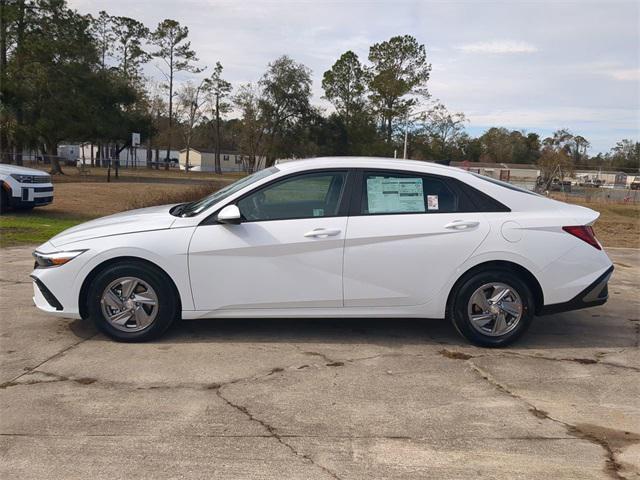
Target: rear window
500, 183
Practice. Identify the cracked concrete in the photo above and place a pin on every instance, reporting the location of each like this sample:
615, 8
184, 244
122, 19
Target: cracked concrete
320, 399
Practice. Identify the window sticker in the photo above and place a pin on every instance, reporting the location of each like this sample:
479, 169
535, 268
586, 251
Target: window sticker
395, 195
318, 212
432, 202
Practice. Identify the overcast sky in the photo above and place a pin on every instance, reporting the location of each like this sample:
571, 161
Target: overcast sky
531, 65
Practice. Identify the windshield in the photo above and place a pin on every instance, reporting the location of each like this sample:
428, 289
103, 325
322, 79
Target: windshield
194, 208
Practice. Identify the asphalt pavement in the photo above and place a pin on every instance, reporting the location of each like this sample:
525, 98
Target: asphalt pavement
322, 398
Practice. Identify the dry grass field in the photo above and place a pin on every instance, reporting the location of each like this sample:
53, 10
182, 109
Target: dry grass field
619, 223
81, 200
82, 197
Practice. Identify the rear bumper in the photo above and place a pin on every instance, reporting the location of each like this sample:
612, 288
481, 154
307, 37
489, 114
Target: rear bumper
597, 293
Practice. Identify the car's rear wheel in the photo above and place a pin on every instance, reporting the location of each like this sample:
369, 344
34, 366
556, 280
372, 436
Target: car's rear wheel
492, 308
132, 302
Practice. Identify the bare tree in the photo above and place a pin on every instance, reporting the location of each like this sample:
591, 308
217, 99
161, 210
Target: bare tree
190, 110
252, 126
443, 128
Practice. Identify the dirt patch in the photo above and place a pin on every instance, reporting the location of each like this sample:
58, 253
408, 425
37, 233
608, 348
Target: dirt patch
538, 413
611, 440
85, 380
583, 361
454, 355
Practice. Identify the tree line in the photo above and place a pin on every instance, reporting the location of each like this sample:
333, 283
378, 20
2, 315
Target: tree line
69, 77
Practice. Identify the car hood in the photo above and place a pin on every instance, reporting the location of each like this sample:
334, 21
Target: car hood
142, 220
9, 169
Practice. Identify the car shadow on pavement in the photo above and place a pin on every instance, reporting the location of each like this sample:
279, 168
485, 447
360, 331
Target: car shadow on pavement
569, 330
582, 329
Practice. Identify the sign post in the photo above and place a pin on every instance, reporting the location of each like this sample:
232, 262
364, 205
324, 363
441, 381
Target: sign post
135, 142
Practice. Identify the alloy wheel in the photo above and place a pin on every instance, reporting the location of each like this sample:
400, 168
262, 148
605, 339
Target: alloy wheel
495, 309
129, 304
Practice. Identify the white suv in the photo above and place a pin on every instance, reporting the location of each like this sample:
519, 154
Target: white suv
24, 188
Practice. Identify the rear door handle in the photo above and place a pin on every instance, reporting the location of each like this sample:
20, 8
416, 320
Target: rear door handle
322, 232
461, 225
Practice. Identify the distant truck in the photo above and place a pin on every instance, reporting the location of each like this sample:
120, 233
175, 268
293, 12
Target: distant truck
590, 182
24, 188
635, 185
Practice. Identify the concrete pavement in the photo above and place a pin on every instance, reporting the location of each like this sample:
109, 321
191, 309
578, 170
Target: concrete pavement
320, 399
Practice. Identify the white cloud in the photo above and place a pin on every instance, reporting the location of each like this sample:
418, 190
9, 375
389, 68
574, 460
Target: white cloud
498, 46
626, 74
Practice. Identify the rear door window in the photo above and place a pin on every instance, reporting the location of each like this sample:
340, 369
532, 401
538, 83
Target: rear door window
396, 193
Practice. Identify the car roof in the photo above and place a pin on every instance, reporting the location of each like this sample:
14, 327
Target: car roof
515, 199
365, 162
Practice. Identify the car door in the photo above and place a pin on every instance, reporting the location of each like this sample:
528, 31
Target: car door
406, 237
286, 252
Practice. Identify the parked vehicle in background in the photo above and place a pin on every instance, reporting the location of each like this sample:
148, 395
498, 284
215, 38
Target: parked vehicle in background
558, 185
24, 188
635, 185
590, 182
332, 237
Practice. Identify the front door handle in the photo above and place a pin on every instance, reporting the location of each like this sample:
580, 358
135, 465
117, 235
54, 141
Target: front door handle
461, 225
322, 232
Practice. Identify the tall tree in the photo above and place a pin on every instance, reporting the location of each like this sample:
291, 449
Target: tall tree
174, 50
4, 98
345, 85
129, 35
399, 74
102, 32
219, 90
284, 100
496, 145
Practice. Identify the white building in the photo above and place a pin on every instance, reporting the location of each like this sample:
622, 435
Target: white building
203, 160
129, 157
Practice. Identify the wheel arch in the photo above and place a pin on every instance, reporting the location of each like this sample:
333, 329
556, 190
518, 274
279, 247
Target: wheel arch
523, 273
84, 289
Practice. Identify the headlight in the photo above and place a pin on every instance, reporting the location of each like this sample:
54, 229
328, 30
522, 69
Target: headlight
55, 259
23, 178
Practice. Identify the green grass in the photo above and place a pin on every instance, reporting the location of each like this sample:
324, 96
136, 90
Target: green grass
28, 228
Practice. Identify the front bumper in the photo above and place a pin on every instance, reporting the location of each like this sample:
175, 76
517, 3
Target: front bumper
597, 293
43, 298
56, 289
31, 196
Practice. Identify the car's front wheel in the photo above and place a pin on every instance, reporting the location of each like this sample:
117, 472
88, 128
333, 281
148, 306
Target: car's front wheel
132, 302
492, 308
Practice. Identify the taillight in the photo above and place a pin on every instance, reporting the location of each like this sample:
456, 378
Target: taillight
584, 233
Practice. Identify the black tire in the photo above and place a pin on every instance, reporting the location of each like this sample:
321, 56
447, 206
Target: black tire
460, 305
4, 199
168, 306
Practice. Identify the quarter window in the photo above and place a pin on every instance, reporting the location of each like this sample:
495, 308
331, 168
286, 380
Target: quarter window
303, 196
399, 193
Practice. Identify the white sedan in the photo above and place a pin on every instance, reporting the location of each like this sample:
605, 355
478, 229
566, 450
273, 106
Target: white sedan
332, 237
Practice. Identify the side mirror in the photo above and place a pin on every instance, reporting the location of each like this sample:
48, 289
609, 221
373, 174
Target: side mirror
229, 214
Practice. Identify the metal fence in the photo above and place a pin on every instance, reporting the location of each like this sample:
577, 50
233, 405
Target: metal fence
605, 194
